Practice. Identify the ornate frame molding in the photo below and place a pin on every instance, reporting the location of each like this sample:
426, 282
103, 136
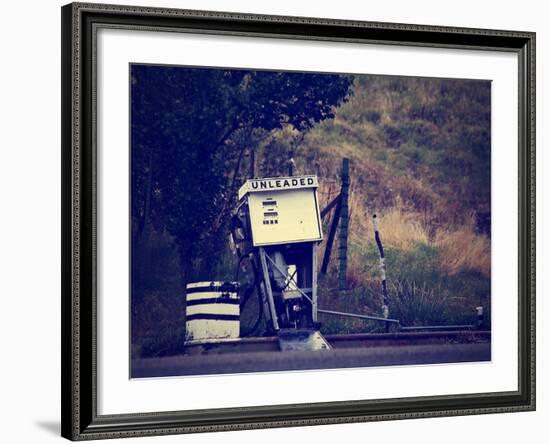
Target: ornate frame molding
80, 420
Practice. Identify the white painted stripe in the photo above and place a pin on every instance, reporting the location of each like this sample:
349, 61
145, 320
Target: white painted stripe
211, 323
383, 268
209, 294
208, 284
229, 309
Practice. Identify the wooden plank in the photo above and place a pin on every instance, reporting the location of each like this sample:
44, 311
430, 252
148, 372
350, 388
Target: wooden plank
330, 239
330, 206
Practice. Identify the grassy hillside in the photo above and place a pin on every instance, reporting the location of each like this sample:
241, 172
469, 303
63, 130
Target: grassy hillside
420, 159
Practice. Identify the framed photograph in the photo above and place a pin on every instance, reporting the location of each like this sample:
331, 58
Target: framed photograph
276, 221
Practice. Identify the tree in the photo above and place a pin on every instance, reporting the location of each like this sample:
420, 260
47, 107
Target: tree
185, 125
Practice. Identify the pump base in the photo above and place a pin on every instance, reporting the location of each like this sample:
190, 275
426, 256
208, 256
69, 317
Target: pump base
302, 340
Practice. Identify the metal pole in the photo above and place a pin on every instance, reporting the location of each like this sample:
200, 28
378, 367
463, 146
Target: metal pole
439, 327
480, 315
353, 315
314, 282
267, 283
291, 166
252, 164
344, 221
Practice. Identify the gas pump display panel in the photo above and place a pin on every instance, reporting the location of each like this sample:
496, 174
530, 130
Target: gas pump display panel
283, 210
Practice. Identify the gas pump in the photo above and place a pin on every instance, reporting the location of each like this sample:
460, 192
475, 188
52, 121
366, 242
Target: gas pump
277, 226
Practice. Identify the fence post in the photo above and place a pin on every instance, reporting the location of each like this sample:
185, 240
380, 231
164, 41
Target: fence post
343, 231
331, 235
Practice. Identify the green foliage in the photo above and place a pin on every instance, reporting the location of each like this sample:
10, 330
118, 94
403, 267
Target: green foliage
189, 129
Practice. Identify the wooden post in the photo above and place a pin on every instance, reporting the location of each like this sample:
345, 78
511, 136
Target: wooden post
331, 235
343, 231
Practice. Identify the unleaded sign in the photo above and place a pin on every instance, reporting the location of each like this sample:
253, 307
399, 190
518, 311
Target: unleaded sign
278, 184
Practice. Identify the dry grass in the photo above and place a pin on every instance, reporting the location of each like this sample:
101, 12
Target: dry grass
459, 249
401, 230
398, 228
403, 227
464, 249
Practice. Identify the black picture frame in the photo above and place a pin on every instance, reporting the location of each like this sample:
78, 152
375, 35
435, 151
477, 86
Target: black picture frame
79, 317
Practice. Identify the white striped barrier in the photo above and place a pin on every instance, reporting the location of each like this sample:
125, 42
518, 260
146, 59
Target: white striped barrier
212, 311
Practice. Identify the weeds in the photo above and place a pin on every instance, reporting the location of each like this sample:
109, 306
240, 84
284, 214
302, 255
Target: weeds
417, 304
